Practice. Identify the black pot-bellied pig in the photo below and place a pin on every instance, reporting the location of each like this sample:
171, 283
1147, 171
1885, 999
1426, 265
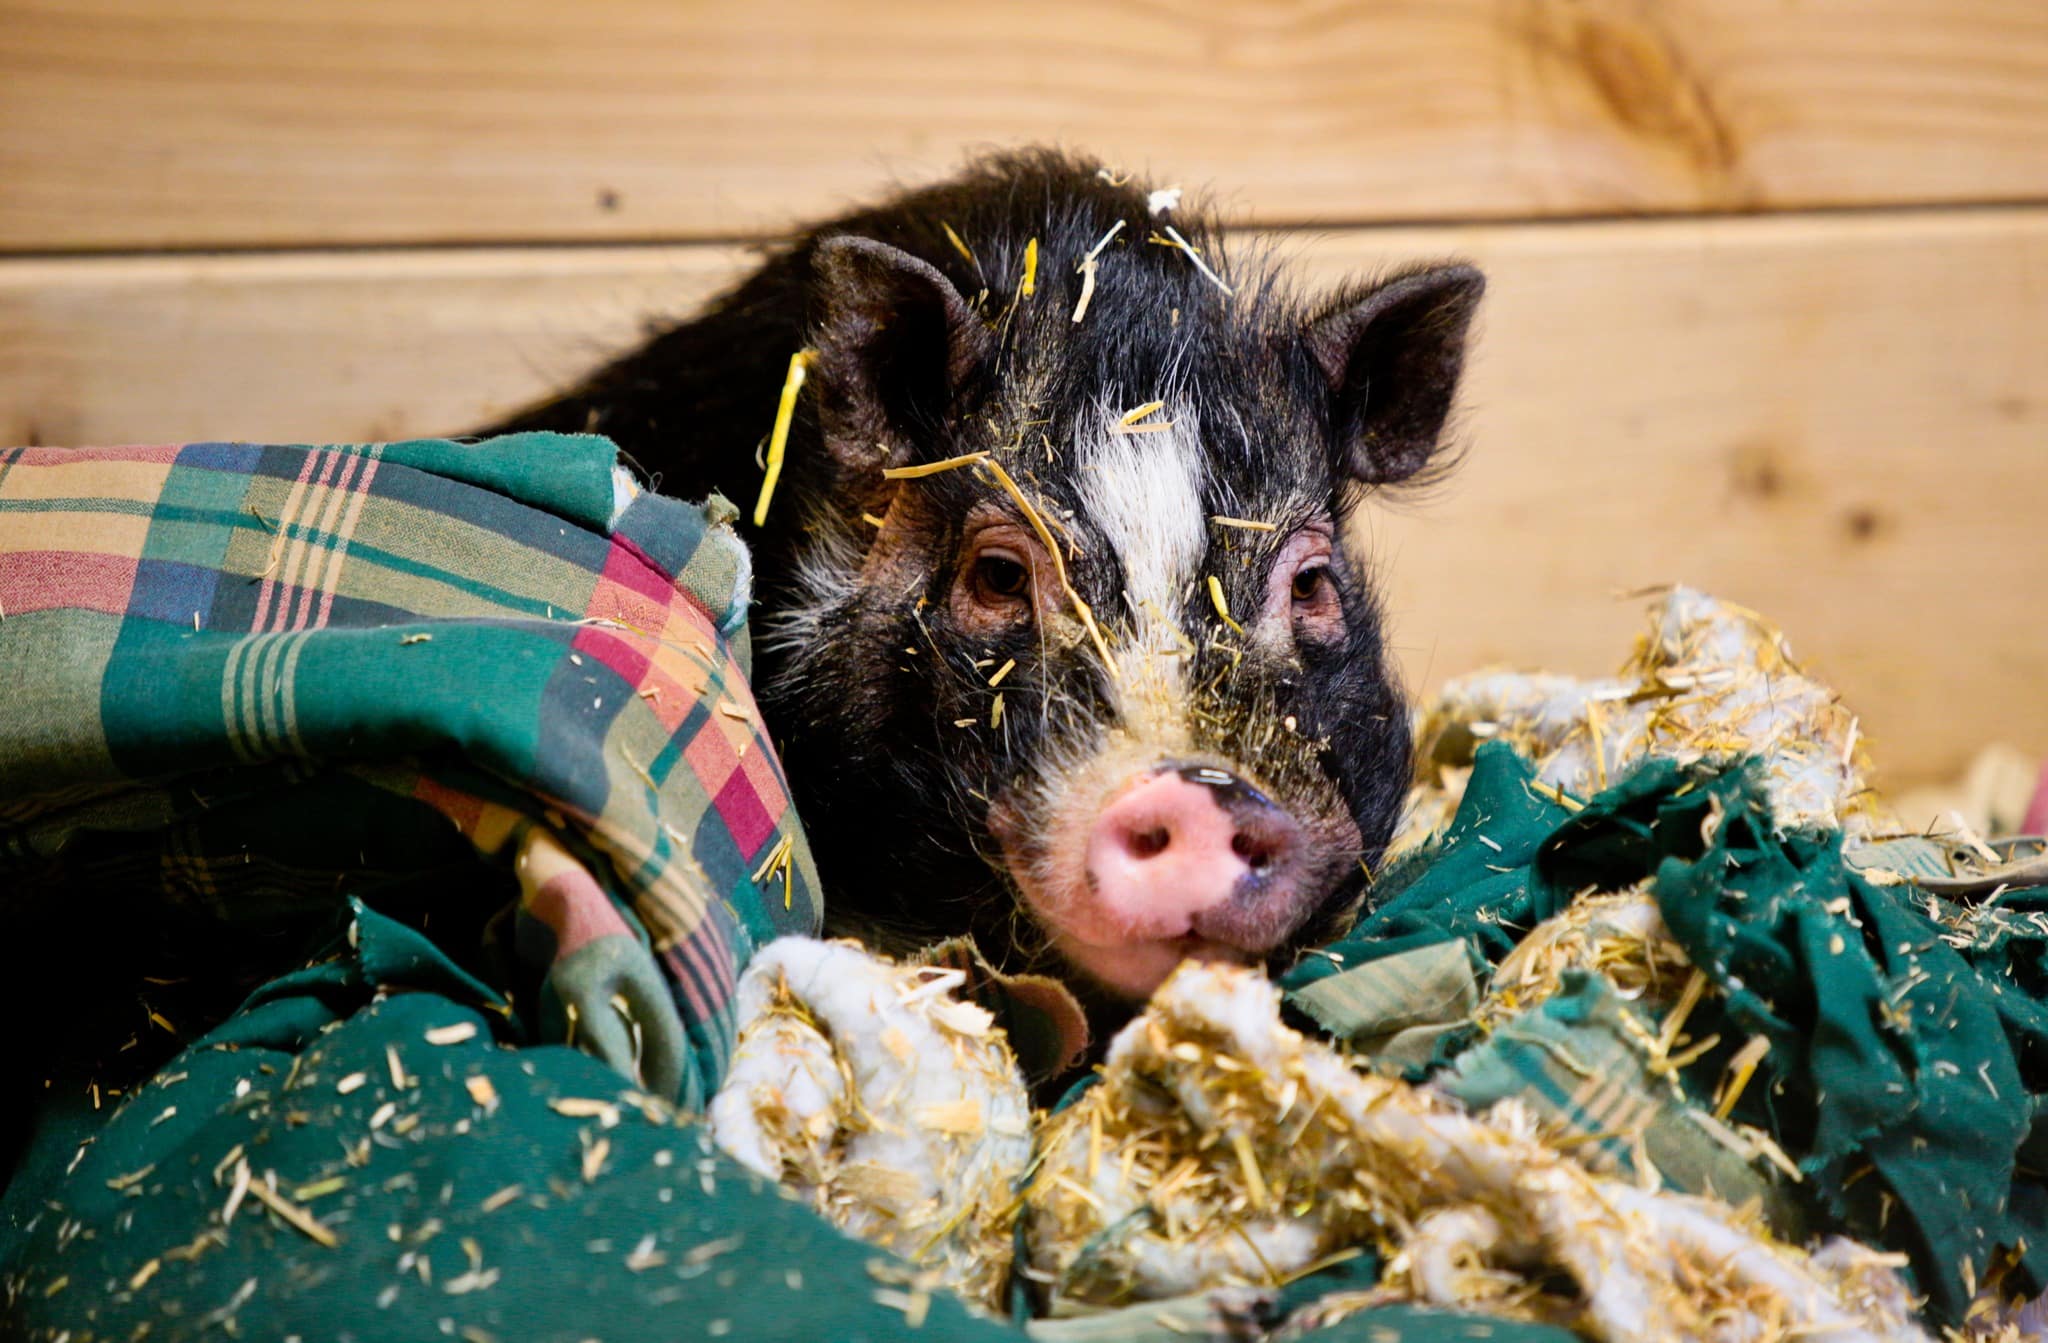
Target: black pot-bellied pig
1064, 636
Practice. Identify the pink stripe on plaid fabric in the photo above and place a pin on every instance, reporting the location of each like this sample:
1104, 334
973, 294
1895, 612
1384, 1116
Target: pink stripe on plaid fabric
709, 961
576, 910
759, 767
669, 651
318, 551
652, 580
696, 1007
48, 580
669, 695
739, 806
351, 514
632, 591
629, 657
712, 758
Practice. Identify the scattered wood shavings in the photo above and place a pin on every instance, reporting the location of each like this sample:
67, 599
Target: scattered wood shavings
481, 1091
959, 244
584, 1107
1137, 420
1222, 607
452, 1034
778, 438
1080, 305
502, 1197
1195, 256
1244, 524
1087, 269
781, 859
644, 1256
299, 1219
1029, 286
962, 1116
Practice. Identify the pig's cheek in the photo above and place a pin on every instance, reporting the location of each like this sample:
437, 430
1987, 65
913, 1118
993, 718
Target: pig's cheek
1007, 825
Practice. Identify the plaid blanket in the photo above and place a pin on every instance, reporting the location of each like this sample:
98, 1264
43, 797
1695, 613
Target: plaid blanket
235, 671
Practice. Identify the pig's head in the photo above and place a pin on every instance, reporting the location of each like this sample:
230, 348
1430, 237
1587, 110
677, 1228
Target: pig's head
1139, 707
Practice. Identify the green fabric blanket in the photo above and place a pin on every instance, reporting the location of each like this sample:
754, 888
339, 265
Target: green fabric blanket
1908, 1036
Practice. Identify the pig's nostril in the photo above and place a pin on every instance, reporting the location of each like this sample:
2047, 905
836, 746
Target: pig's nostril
1149, 843
1256, 852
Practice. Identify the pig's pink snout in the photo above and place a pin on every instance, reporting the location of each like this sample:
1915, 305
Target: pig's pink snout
1181, 853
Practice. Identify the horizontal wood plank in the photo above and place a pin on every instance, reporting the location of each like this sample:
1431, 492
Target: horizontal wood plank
204, 123
1842, 422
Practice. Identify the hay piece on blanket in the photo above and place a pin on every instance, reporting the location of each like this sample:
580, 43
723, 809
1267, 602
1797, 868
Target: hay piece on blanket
1709, 680
1223, 1147
1619, 935
894, 1108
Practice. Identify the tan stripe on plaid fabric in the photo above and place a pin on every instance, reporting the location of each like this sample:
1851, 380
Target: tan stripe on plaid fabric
313, 548
278, 578
1429, 985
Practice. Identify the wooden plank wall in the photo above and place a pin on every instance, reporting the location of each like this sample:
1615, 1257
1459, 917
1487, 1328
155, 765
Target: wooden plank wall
1769, 309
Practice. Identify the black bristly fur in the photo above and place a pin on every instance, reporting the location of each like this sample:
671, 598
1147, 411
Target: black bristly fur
1300, 411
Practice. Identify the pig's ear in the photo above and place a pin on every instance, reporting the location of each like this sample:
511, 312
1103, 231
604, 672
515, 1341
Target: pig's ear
1393, 356
895, 341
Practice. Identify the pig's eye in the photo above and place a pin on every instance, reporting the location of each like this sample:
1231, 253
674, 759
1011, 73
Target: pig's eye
1000, 574
1309, 583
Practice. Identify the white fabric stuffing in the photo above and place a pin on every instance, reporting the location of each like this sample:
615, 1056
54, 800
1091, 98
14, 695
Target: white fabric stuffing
895, 1108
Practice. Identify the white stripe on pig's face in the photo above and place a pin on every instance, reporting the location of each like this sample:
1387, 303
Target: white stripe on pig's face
1142, 493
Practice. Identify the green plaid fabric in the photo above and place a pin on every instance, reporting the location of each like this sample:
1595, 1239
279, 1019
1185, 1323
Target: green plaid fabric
208, 645
1582, 1066
1396, 1007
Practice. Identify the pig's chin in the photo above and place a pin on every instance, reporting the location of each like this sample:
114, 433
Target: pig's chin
1126, 962
1132, 969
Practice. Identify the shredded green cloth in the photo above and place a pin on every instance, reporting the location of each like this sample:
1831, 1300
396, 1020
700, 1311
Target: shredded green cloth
1908, 1036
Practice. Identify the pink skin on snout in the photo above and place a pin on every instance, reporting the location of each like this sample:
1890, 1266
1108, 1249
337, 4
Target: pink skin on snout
1164, 869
